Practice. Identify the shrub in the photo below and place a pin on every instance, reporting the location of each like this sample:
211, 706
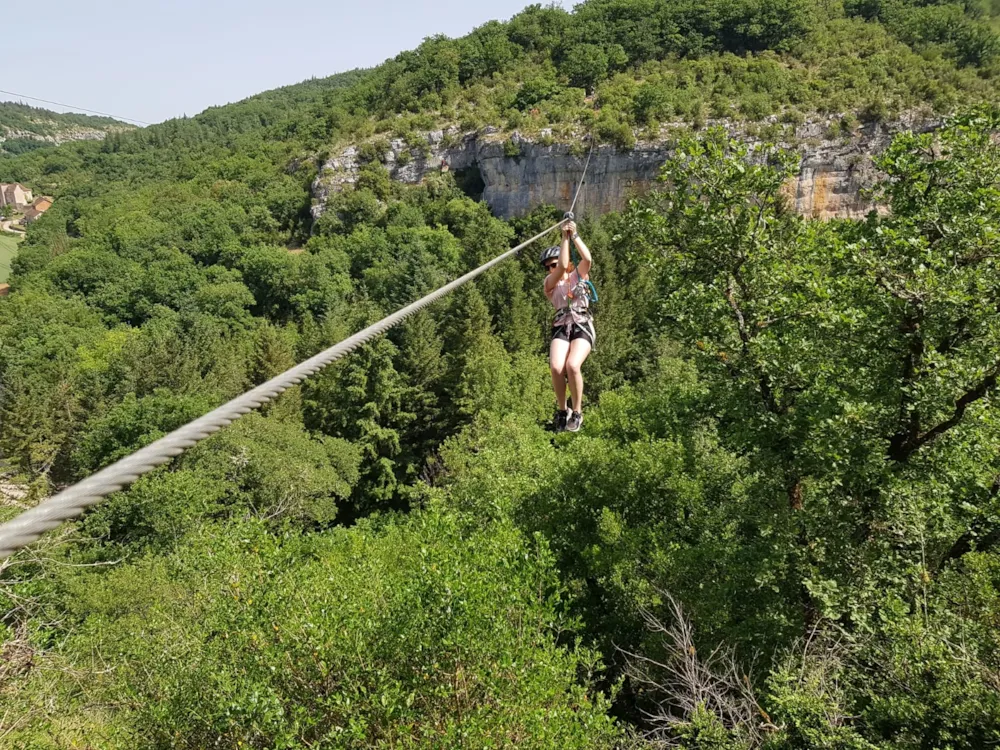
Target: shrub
698, 116
720, 107
651, 104
756, 106
401, 634
515, 120
374, 177
809, 700
585, 66
876, 110
615, 131
534, 91
374, 151
793, 116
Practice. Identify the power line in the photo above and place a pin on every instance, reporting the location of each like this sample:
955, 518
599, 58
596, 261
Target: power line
78, 109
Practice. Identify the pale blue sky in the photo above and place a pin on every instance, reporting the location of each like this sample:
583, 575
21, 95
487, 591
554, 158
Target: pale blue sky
156, 60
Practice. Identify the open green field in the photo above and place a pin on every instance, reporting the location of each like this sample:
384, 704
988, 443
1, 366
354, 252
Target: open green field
8, 249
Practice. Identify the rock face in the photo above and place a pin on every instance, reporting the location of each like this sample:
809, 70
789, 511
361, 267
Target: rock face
515, 174
550, 174
65, 135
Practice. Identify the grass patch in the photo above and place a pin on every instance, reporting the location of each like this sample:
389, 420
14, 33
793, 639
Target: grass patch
8, 249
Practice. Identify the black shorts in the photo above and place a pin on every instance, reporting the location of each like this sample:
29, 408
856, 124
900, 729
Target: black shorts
583, 331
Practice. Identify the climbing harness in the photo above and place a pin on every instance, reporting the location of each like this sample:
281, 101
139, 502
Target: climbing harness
577, 311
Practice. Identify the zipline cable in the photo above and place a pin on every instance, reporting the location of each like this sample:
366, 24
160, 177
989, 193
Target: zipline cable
586, 166
76, 109
27, 527
71, 502
571, 216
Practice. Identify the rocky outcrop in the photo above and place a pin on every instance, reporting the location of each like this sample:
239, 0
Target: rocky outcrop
63, 135
514, 174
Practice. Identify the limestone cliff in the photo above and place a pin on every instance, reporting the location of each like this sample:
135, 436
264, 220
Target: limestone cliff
515, 174
65, 135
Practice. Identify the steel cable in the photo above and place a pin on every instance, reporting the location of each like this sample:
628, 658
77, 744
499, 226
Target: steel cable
71, 502
583, 176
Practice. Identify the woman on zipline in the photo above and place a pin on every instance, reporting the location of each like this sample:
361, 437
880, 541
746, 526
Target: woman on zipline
573, 329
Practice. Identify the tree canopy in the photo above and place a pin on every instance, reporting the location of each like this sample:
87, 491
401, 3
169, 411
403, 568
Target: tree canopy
779, 528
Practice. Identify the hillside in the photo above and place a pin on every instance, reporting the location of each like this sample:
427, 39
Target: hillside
778, 527
24, 128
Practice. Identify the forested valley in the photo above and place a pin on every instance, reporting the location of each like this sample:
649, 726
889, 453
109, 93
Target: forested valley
779, 527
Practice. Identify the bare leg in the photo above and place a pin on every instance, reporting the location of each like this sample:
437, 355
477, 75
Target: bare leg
558, 350
578, 352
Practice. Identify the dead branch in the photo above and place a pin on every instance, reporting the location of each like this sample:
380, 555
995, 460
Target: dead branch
682, 682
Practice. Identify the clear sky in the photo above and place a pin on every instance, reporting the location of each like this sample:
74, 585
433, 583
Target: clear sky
153, 60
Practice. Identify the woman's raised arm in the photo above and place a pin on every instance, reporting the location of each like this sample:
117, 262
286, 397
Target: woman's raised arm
564, 248
585, 258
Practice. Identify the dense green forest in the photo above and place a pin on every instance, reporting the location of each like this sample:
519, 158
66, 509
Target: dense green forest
24, 128
779, 528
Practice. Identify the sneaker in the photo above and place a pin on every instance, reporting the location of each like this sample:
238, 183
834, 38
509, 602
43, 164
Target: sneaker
575, 422
559, 420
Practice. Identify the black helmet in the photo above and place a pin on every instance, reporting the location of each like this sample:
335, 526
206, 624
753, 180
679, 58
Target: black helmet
549, 252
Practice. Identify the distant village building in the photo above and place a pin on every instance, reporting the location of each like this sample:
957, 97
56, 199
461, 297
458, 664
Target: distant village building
15, 195
4, 290
38, 207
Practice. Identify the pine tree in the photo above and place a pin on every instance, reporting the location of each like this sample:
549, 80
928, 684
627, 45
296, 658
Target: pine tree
274, 353
479, 371
364, 399
517, 319
423, 365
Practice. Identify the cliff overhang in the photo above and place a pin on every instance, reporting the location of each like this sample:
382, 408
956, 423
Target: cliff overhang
514, 173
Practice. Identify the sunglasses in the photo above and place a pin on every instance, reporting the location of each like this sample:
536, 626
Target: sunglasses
550, 266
